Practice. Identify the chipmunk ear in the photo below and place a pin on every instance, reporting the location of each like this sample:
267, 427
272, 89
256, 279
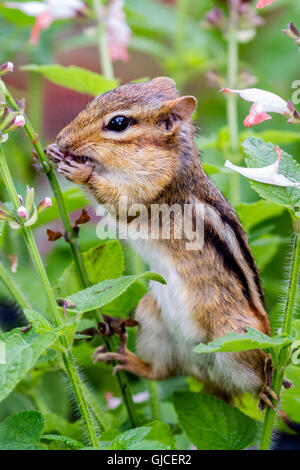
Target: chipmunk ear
179, 109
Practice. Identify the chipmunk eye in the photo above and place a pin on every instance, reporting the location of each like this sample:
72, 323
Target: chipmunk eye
118, 123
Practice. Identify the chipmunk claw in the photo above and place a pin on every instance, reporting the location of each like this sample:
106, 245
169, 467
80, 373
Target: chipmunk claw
267, 393
265, 401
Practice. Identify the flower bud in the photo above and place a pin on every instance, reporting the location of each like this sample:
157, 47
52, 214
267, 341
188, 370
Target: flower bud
293, 33
22, 211
6, 68
18, 121
7, 116
44, 204
215, 18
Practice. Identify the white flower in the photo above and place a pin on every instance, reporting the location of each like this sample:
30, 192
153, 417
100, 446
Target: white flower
264, 102
267, 174
46, 12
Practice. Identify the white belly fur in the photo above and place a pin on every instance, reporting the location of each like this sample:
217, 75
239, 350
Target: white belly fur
185, 334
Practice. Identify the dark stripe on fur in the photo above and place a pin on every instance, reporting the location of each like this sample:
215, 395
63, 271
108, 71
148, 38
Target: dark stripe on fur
230, 263
246, 253
238, 231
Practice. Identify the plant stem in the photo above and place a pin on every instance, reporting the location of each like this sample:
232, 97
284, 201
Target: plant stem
37, 261
9, 283
268, 424
47, 168
231, 101
292, 288
154, 399
103, 49
181, 20
81, 400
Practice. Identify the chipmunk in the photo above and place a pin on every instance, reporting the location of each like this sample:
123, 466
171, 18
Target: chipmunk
138, 141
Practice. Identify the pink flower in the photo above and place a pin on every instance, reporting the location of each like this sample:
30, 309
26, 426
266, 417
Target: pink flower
44, 204
118, 32
19, 121
22, 211
264, 102
46, 12
267, 174
263, 3
6, 67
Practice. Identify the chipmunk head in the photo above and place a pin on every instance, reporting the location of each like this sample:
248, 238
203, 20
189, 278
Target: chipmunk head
132, 134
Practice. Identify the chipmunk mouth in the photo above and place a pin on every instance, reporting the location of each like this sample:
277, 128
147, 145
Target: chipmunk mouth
54, 152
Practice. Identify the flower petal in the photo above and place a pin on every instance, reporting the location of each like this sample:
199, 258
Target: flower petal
42, 22
29, 8
267, 174
254, 118
263, 3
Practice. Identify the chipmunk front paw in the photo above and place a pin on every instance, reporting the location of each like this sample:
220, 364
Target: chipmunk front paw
76, 171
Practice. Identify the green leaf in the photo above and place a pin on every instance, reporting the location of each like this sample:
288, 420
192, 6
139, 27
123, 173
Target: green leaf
21, 356
154, 436
105, 292
233, 342
261, 154
22, 431
254, 213
265, 248
74, 198
105, 261
212, 424
39, 323
58, 424
74, 78
68, 441
121, 306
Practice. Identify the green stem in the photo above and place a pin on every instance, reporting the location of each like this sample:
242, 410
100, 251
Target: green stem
268, 424
104, 57
99, 414
154, 399
47, 168
80, 397
9, 283
292, 288
37, 261
231, 102
179, 40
